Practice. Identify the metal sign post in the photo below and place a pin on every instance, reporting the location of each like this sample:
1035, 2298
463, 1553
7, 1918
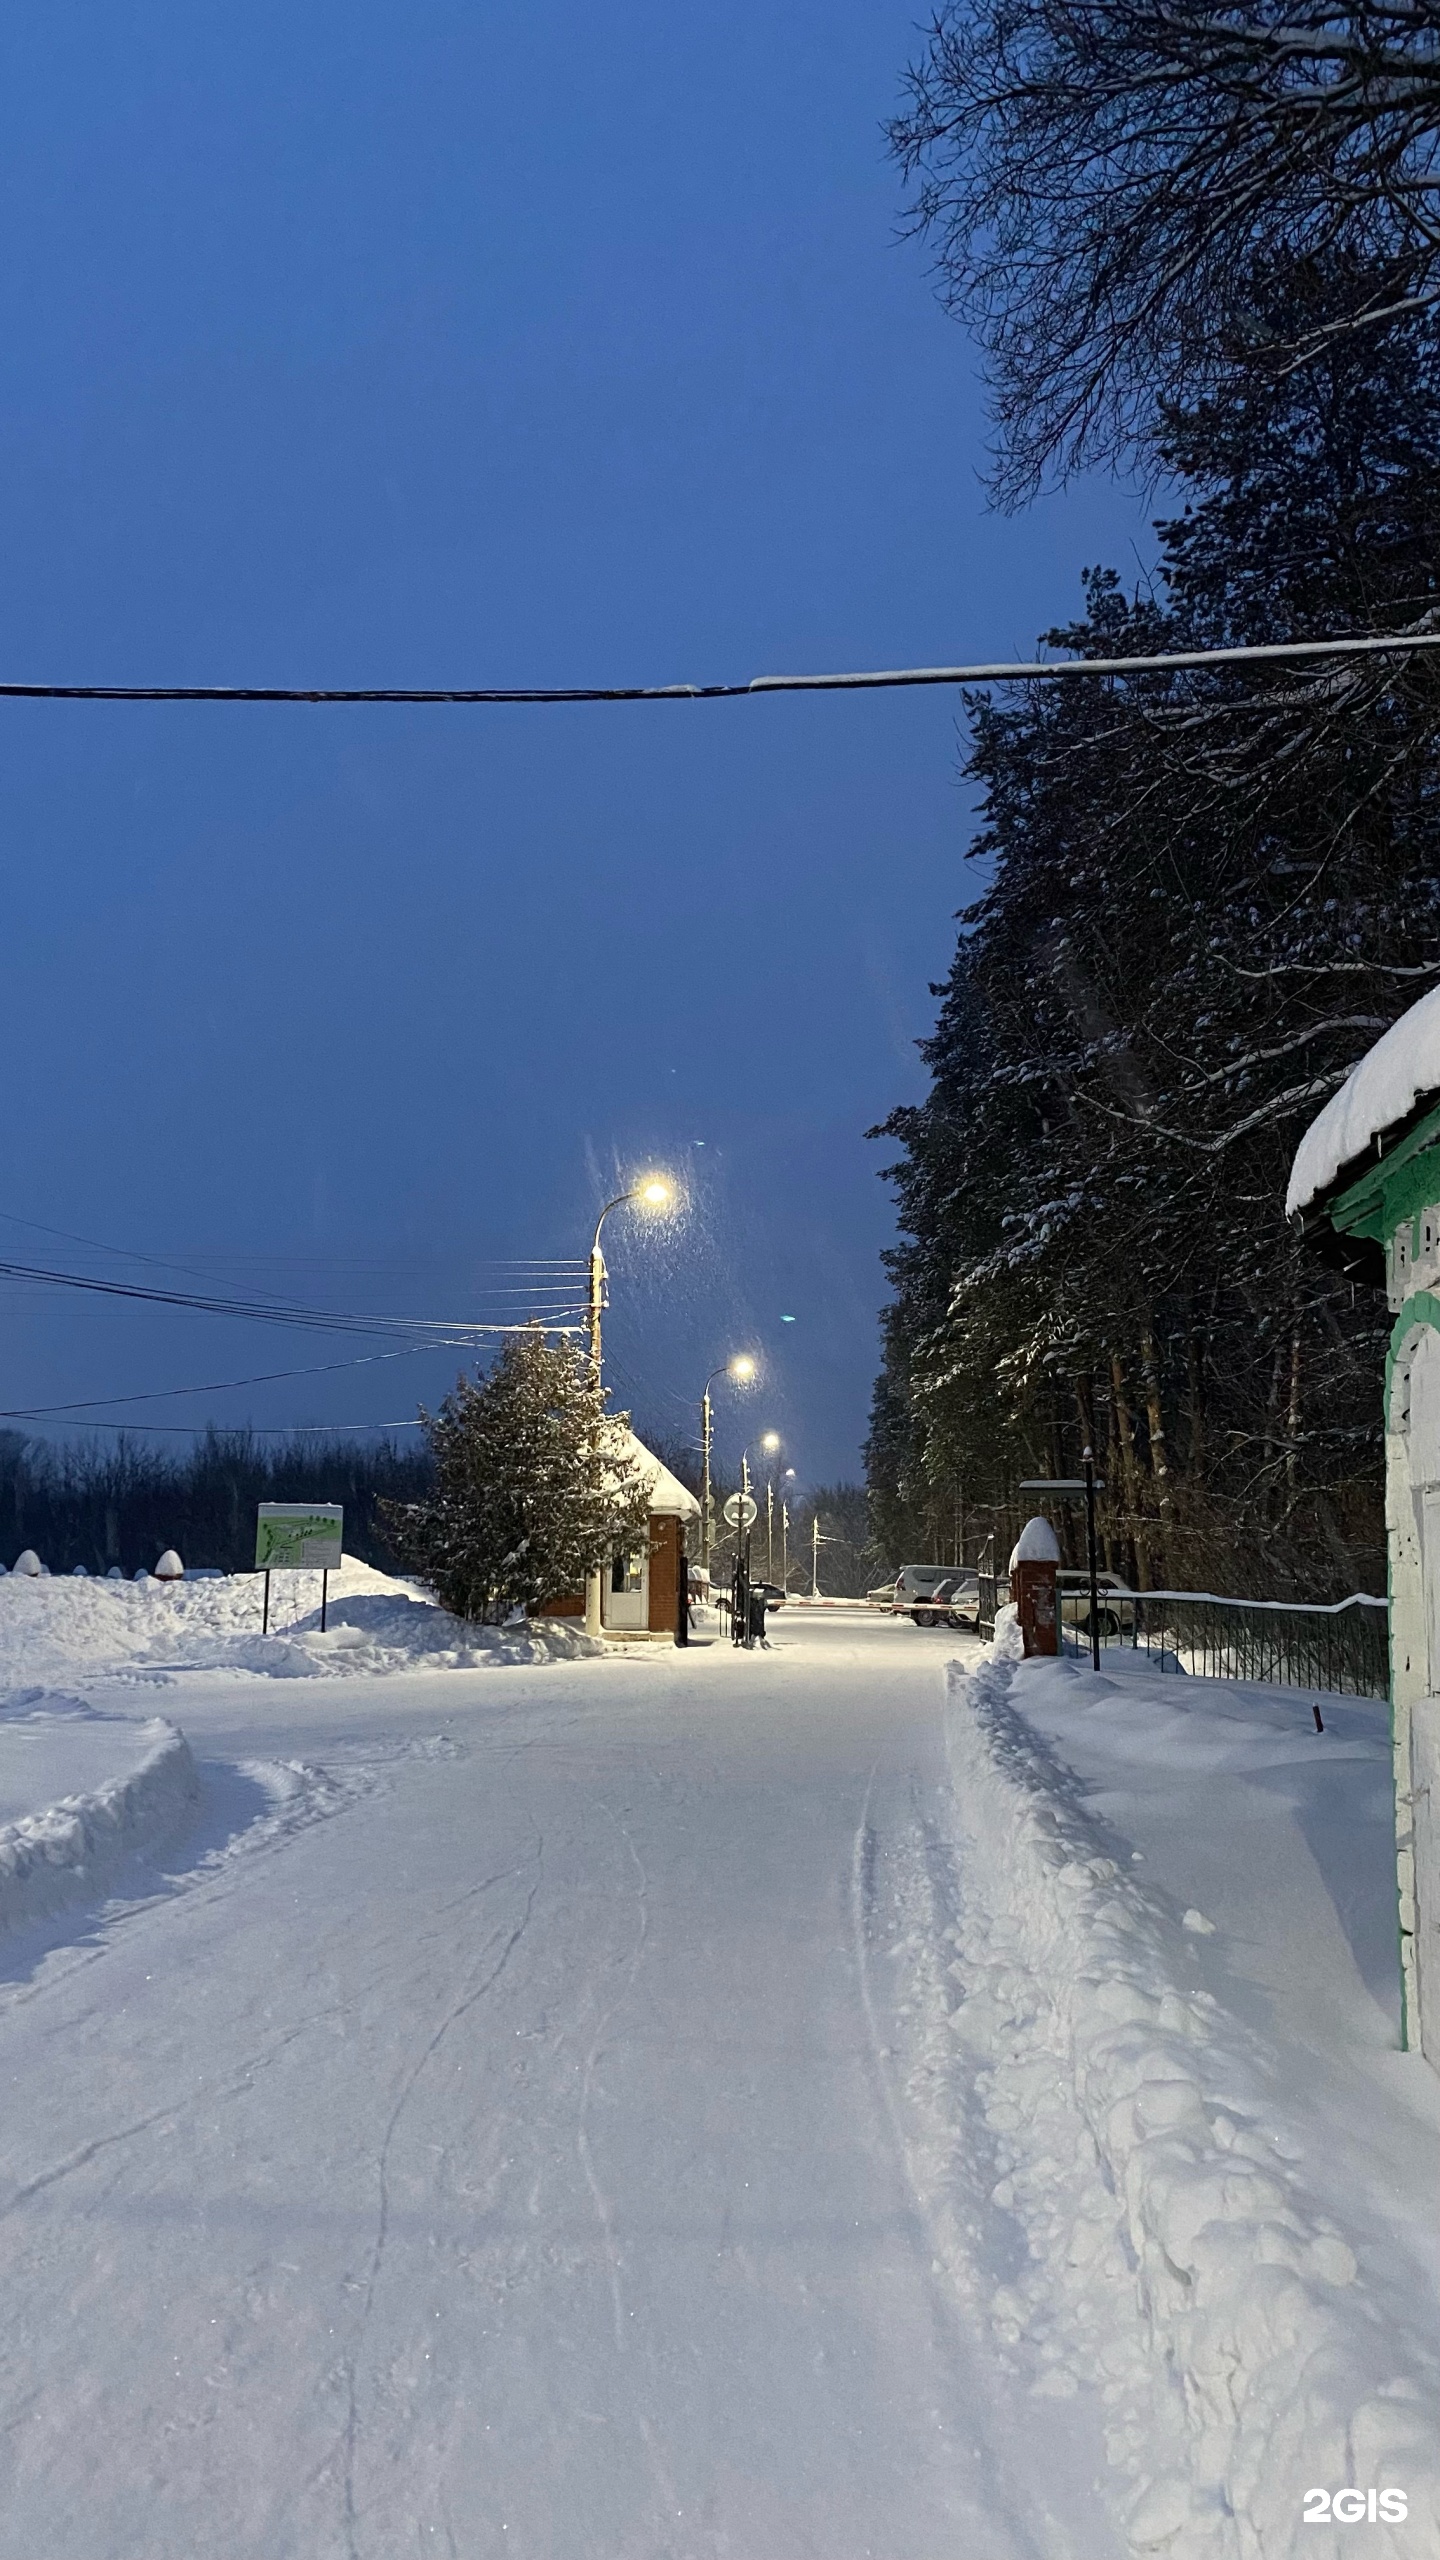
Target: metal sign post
295, 1538
740, 1512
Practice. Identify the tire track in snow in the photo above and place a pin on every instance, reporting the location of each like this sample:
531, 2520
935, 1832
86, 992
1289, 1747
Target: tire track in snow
604, 2211
472, 1995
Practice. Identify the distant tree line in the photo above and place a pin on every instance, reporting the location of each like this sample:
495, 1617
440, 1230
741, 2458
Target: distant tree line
1202, 894
124, 1502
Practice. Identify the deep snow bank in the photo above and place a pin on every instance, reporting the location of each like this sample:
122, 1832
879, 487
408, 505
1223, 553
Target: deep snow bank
1173, 2249
136, 1787
59, 1629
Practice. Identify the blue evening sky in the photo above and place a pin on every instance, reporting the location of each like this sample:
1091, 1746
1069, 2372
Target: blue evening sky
462, 341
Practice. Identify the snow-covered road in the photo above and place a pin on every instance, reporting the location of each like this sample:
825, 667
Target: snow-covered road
487, 2145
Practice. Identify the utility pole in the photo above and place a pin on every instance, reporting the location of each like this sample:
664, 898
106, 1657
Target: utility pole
1088, 1462
784, 1546
593, 1593
742, 1370
769, 1528
655, 1194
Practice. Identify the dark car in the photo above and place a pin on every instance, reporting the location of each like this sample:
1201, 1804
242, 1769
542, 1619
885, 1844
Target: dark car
771, 1593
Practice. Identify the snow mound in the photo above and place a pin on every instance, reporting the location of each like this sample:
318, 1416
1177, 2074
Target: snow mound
1175, 2257
1384, 1088
1036, 1544
57, 1630
138, 1786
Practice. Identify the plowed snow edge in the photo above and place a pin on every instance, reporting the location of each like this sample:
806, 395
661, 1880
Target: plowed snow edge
1171, 2239
71, 1852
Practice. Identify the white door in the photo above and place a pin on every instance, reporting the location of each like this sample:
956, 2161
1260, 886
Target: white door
1425, 1787
626, 1594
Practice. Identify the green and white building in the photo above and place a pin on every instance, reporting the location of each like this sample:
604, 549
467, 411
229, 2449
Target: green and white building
1366, 1184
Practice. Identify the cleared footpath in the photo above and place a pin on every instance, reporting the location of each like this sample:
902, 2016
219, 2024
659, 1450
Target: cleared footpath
484, 2142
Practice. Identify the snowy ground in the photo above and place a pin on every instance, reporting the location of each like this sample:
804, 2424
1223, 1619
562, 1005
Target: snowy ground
524, 2116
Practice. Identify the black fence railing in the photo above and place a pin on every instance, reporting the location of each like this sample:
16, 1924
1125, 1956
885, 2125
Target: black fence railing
1342, 1646
991, 1595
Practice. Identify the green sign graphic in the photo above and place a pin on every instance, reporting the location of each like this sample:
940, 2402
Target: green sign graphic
289, 1540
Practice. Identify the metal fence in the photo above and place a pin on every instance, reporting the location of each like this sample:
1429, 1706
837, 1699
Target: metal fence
990, 1597
1343, 1645
1338, 1645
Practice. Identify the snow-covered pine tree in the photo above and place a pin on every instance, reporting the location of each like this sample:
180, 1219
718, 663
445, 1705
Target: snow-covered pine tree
530, 1492
1207, 894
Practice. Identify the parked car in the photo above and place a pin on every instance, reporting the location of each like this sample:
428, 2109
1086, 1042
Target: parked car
1116, 1608
883, 1595
918, 1582
954, 1602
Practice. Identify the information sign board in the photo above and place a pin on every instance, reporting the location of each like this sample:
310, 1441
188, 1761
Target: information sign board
293, 1538
740, 1511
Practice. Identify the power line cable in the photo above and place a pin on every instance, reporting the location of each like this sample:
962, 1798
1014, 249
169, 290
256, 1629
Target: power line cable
995, 671
214, 1387
456, 1332
242, 1430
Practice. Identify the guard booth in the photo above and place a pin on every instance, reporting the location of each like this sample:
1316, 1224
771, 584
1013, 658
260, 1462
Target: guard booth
1034, 1588
1365, 1188
642, 1588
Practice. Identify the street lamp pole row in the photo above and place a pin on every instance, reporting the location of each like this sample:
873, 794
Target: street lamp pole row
654, 1194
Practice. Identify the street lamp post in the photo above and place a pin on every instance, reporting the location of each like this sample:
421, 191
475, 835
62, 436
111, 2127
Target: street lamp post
740, 1585
742, 1370
655, 1193
771, 1446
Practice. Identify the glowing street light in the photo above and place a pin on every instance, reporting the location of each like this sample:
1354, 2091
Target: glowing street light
654, 1193
742, 1370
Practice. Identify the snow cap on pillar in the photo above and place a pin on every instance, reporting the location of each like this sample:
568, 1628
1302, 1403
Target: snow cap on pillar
169, 1567
27, 1562
1036, 1544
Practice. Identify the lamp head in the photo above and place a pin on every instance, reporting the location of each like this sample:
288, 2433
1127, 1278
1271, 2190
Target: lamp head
742, 1368
657, 1193
770, 1440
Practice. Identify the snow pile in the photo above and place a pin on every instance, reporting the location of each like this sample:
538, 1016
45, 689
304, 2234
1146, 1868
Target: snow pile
101, 1790
60, 1630
1173, 2251
1383, 1089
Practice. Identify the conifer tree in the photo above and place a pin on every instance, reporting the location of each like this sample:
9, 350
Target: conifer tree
530, 1492
1208, 893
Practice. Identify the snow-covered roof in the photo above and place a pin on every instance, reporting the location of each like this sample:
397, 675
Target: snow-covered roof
1036, 1544
667, 1496
1383, 1089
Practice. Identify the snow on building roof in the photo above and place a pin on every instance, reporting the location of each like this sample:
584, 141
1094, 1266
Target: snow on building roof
1036, 1544
1381, 1091
667, 1496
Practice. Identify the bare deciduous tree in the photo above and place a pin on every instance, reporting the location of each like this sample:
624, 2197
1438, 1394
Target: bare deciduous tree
1112, 186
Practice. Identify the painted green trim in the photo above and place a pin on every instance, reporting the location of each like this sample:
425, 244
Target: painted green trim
1418, 1313
1422, 1309
1398, 1187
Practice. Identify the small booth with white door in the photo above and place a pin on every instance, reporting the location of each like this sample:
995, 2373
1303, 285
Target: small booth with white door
1366, 1187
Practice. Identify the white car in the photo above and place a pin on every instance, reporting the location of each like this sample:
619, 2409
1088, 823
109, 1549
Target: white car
918, 1582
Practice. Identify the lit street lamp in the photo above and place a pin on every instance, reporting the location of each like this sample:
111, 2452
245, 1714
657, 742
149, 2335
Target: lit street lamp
771, 1446
742, 1370
740, 1587
653, 1193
